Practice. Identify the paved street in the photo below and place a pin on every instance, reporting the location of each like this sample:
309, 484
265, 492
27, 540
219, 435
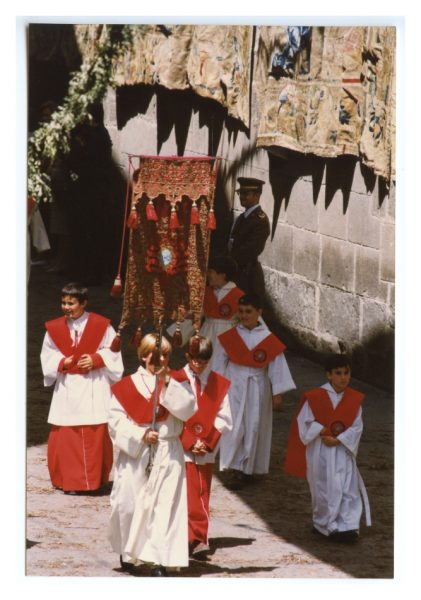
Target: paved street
263, 531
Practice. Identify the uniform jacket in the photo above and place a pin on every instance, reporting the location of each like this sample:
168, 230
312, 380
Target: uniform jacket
249, 236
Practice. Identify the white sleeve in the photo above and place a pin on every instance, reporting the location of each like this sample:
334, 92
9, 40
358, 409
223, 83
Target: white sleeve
126, 435
50, 360
220, 360
113, 361
280, 375
223, 421
178, 400
350, 438
308, 428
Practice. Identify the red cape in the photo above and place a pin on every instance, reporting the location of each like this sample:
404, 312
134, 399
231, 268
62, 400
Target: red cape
224, 309
139, 408
93, 333
201, 424
258, 357
326, 415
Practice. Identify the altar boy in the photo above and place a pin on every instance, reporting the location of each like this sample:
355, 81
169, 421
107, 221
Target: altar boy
252, 358
76, 356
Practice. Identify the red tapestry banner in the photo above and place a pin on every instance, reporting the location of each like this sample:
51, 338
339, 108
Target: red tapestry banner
170, 223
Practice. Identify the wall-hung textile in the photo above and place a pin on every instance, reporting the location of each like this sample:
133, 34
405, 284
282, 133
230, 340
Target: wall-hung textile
328, 91
213, 61
321, 90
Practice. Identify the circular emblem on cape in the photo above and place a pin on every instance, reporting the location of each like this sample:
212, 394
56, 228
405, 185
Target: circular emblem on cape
197, 428
224, 310
337, 427
260, 355
159, 411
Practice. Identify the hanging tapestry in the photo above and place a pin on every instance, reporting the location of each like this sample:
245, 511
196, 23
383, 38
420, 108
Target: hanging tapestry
212, 60
328, 91
170, 222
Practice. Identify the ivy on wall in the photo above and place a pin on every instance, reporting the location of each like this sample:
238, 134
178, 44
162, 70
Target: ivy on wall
87, 86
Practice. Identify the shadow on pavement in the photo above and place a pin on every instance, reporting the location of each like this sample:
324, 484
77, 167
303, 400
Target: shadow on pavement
284, 502
200, 568
229, 542
281, 501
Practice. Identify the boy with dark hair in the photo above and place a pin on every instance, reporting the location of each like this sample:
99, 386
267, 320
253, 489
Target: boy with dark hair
201, 435
76, 356
252, 358
220, 306
323, 445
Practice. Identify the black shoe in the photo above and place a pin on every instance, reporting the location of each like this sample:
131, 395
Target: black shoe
236, 481
126, 566
192, 546
200, 551
346, 537
158, 571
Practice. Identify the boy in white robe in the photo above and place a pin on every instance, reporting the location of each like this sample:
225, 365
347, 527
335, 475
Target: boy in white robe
323, 446
149, 512
77, 357
220, 307
252, 358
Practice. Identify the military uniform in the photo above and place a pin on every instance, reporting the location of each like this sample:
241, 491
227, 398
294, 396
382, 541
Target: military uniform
247, 241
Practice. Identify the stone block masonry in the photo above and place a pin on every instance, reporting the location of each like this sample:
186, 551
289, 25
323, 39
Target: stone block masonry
329, 262
348, 264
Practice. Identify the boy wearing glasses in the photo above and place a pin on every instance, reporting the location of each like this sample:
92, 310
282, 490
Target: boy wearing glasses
201, 435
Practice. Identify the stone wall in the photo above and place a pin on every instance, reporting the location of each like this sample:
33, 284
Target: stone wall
329, 264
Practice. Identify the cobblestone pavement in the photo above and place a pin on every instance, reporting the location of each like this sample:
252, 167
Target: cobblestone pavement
264, 531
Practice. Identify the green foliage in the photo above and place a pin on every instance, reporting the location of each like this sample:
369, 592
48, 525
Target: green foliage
87, 86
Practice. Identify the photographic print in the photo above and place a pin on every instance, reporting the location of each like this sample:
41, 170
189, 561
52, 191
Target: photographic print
210, 309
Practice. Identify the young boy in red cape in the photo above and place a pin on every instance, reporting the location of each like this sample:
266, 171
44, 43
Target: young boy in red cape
252, 358
322, 446
76, 356
220, 306
201, 435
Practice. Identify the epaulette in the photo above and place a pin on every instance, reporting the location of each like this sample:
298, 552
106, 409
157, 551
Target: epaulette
262, 215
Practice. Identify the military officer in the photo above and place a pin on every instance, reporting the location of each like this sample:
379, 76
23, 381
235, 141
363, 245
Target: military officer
248, 236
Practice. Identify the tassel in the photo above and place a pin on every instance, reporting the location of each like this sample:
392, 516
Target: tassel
137, 338
174, 222
211, 220
133, 220
194, 215
177, 339
117, 289
151, 212
116, 343
194, 345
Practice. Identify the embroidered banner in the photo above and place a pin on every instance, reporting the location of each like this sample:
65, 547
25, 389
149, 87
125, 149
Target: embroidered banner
172, 199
